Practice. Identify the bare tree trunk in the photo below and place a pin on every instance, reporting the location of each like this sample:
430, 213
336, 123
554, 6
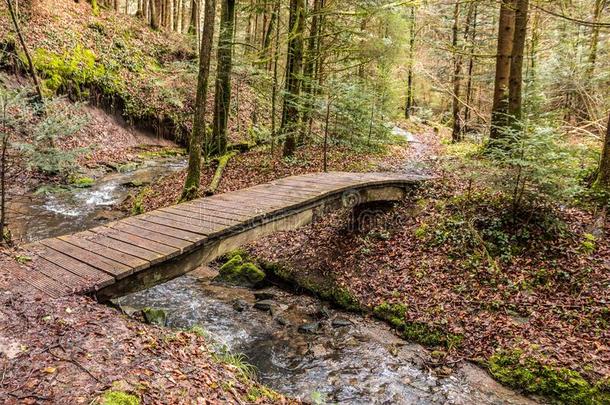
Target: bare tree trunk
505, 46
222, 97
290, 111
456, 134
309, 68
154, 14
410, 98
25, 50
275, 80
191, 185
472, 39
516, 65
603, 175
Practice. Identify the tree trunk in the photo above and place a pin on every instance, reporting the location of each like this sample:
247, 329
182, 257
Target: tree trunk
290, 111
154, 14
25, 50
456, 134
309, 69
516, 65
191, 185
276, 50
222, 97
410, 99
186, 17
471, 39
603, 175
505, 46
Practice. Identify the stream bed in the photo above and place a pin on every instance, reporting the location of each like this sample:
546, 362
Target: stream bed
303, 348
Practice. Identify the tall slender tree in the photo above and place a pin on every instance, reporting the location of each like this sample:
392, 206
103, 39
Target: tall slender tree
516, 65
222, 97
193, 178
410, 99
506, 29
456, 134
290, 111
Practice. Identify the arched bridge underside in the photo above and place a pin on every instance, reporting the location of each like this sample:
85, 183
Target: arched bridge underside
138, 252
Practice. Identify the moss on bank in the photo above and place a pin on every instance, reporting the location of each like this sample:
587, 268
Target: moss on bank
238, 271
560, 384
118, 398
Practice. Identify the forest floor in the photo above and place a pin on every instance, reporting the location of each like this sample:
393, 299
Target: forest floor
74, 350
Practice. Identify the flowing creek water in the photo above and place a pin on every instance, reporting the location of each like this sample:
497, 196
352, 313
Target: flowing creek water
298, 345
72, 209
303, 348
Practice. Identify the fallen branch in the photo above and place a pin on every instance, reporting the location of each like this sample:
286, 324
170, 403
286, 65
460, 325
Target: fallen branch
222, 163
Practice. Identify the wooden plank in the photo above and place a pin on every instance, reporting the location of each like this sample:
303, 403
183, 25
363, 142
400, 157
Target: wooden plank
115, 269
135, 240
214, 210
152, 257
70, 280
296, 195
194, 238
155, 219
204, 225
42, 282
176, 243
134, 262
98, 278
199, 215
228, 204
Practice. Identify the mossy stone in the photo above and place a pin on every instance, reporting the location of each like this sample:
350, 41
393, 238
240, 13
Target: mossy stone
82, 182
237, 272
155, 316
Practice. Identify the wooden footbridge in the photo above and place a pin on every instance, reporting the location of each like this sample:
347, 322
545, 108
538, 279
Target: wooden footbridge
140, 251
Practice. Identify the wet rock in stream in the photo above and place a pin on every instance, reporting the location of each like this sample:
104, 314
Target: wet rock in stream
265, 305
312, 327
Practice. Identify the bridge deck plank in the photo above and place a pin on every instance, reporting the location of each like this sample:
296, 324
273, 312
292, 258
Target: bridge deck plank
136, 240
145, 254
104, 264
174, 233
179, 244
81, 241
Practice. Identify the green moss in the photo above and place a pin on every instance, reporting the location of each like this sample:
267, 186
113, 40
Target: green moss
237, 252
71, 70
561, 384
82, 182
256, 393
138, 202
236, 271
155, 316
119, 398
161, 153
415, 331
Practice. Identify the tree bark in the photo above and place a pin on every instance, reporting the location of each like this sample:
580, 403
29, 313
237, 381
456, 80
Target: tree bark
191, 185
456, 134
222, 97
25, 50
309, 68
154, 14
505, 46
410, 97
516, 65
290, 111
603, 175
472, 38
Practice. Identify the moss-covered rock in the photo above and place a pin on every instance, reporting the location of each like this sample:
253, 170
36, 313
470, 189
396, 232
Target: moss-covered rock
237, 272
155, 316
530, 375
118, 398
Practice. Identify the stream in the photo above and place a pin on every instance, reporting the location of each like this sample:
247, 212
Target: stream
303, 348
72, 209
